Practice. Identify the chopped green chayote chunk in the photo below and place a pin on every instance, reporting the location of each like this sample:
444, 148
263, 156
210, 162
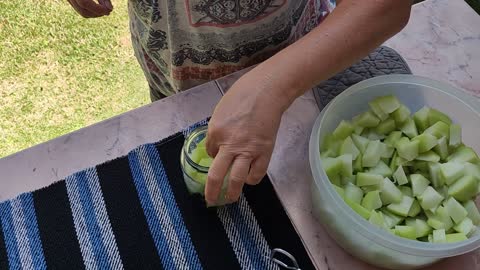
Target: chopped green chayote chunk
409, 174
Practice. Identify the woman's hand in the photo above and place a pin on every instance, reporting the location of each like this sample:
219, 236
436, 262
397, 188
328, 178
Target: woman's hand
241, 136
243, 127
91, 9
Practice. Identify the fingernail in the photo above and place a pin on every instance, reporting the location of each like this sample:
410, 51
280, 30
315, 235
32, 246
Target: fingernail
228, 200
209, 204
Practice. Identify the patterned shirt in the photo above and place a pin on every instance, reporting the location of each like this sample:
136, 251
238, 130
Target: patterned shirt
181, 44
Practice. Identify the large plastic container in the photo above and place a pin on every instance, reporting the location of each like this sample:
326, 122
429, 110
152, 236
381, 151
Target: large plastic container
356, 235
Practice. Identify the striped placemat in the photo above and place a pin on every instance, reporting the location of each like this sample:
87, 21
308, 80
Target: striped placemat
135, 212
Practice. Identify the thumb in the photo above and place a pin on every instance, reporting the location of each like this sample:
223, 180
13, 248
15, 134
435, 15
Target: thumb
211, 144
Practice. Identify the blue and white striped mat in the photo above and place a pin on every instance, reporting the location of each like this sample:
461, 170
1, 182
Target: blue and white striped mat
135, 212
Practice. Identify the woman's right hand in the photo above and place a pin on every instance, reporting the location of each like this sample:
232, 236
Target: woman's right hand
92, 9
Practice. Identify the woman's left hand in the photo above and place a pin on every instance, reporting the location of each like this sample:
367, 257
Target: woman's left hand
241, 136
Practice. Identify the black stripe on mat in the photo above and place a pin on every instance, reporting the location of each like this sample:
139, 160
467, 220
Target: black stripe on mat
205, 228
3, 250
274, 222
135, 243
57, 231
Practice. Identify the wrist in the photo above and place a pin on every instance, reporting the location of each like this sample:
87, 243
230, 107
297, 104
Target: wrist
271, 89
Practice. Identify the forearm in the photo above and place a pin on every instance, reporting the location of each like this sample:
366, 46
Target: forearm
349, 33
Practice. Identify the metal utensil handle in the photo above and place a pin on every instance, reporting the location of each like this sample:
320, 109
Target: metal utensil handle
282, 264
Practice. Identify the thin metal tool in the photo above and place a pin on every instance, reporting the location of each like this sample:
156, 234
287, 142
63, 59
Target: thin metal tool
281, 263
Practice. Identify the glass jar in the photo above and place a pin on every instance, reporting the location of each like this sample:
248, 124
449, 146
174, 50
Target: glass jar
195, 163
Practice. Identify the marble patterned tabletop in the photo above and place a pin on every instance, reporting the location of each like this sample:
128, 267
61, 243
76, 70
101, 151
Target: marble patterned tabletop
441, 41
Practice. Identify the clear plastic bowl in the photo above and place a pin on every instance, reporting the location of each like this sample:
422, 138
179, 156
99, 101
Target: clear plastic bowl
356, 235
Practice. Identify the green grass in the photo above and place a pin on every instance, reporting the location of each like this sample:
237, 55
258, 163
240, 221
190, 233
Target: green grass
475, 4
60, 72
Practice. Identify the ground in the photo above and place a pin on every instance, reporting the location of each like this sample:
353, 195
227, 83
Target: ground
60, 72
